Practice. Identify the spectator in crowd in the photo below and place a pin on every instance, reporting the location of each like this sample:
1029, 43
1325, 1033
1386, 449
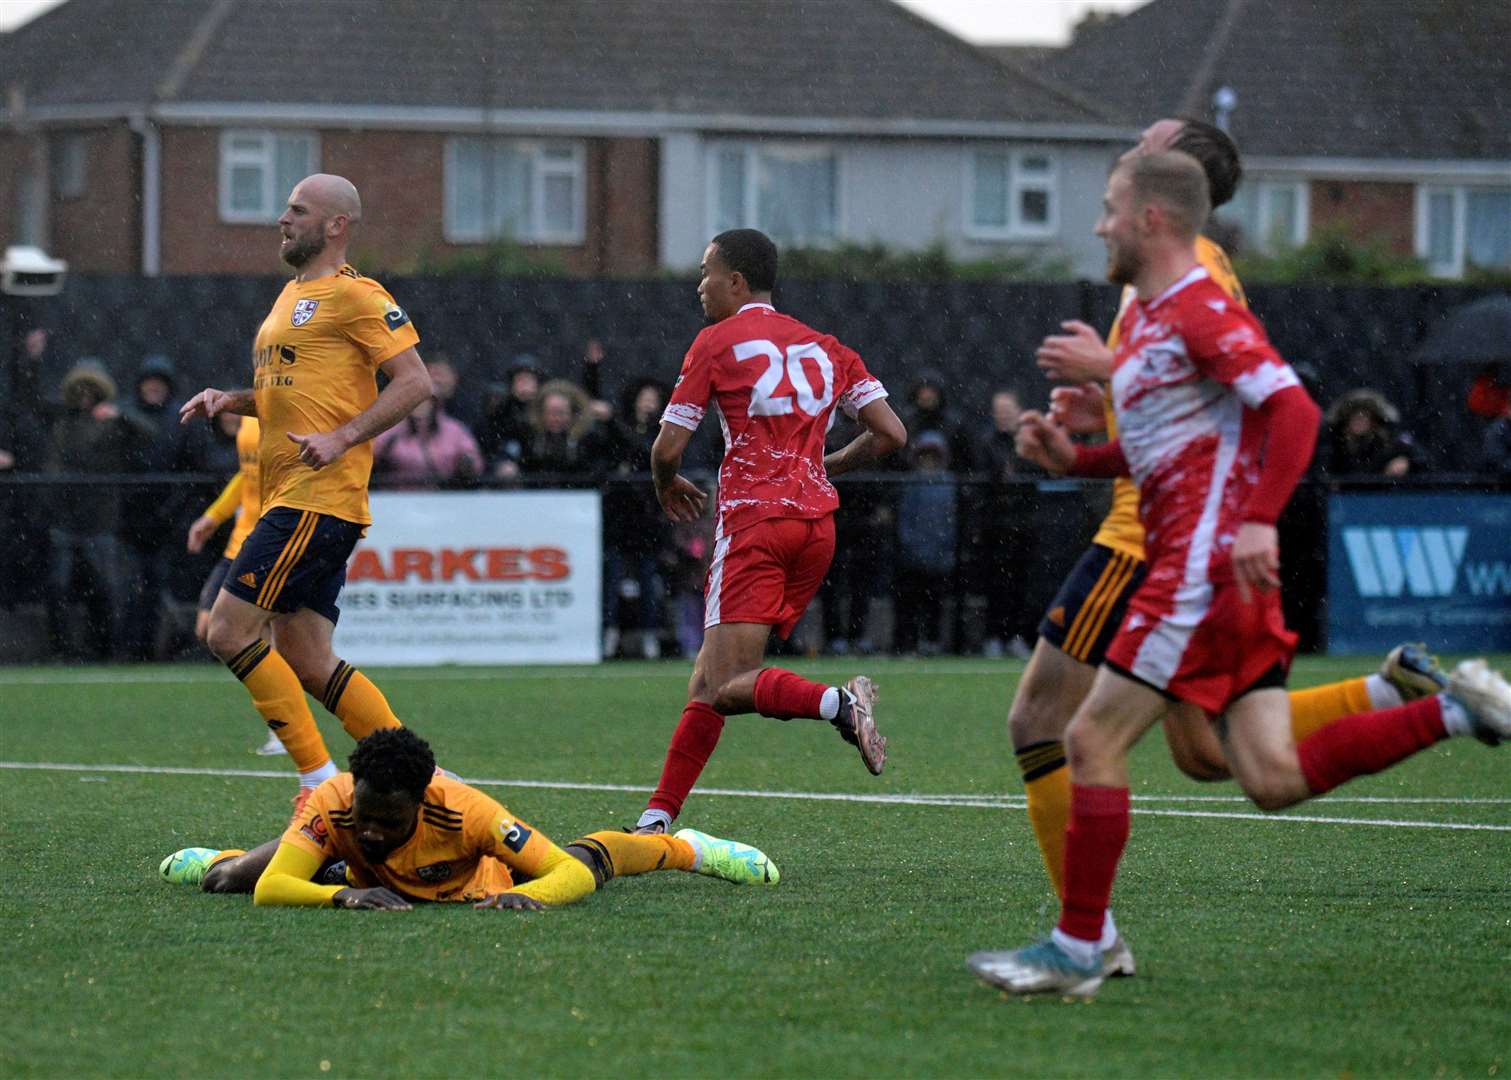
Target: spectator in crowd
153, 515
89, 435
427, 449
1363, 438
443, 384
636, 534
561, 440
505, 423
26, 416
593, 356
926, 524
861, 567
1001, 534
219, 454
929, 411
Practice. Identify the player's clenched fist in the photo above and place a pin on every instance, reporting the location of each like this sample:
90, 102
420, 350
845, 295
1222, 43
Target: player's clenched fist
1045, 443
320, 449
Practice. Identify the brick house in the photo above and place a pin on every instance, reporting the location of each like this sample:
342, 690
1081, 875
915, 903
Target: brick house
162, 136
1388, 118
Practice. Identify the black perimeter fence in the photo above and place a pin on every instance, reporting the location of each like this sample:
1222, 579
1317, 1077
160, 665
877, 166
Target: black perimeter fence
974, 337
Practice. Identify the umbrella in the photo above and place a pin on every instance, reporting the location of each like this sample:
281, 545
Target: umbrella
1472, 334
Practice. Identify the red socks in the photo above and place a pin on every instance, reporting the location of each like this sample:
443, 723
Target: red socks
1368, 742
782, 695
1094, 843
692, 744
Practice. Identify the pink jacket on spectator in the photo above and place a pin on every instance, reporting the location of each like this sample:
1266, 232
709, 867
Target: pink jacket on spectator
427, 453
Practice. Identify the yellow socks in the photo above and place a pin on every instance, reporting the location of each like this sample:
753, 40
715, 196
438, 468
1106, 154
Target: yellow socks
279, 698
356, 702
1046, 780
626, 854
1316, 707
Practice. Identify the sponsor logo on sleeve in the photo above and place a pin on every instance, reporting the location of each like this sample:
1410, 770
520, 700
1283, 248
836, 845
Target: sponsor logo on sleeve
304, 311
434, 873
393, 315
514, 835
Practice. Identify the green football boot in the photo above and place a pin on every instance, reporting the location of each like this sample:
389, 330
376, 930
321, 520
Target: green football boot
730, 860
187, 867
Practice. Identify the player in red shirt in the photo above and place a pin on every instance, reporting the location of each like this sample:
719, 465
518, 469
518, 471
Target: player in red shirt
774, 384
1216, 431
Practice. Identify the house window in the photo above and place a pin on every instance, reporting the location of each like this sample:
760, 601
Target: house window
1012, 194
258, 169
790, 191
1463, 227
526, 190
1270, 214
70, 165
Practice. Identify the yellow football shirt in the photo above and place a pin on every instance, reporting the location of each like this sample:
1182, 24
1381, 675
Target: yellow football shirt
315, 364
1120, 529
248, 440
466, 846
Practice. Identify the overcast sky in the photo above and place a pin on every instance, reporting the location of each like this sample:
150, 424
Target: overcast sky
1017, 21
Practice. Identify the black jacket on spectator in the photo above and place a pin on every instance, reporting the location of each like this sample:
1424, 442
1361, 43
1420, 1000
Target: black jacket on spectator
923, 414
151, 512
79, 443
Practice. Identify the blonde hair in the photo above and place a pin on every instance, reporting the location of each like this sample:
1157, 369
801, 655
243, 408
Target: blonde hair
1177, 182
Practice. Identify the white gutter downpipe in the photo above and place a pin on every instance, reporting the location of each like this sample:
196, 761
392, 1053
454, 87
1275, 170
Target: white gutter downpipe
152, 193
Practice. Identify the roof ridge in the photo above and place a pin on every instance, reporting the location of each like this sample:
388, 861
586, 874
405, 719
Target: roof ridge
1190, 102
1097, 109
193, 52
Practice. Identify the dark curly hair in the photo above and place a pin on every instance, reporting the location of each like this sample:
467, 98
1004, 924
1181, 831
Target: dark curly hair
394, 759
1213, 147
751, 253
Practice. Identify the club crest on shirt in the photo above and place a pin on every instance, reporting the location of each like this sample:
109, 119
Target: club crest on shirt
304, 311
315, 830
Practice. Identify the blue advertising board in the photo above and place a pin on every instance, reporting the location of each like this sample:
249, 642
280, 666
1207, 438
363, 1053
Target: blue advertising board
1433, 567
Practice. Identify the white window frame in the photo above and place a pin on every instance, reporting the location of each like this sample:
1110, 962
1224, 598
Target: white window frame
1423, 237
750, 211
1262, 238
1017, 183
575, 167
265, 158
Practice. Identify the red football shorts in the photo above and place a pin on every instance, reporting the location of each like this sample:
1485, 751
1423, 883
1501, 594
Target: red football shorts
1203, 644
768, 572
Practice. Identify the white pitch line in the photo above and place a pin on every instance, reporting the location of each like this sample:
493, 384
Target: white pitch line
981, 802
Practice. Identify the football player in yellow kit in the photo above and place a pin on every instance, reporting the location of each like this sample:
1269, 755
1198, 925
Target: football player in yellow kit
1087, 611
241, 498
403, 832
315, 394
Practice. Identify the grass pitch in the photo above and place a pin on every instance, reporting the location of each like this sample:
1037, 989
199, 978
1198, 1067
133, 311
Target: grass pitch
1373, 943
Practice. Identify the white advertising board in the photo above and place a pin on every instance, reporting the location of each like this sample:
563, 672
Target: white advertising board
475, 578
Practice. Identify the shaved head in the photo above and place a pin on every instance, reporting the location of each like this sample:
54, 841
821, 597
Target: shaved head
330, 195
1174, 181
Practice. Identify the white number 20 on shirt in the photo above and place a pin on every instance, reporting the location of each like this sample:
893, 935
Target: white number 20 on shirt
764, 401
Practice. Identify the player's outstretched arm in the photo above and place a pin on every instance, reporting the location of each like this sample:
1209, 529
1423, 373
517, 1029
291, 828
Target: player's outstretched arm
408, 385
288, 881
562, 880
679, 497
884, 434
210, 403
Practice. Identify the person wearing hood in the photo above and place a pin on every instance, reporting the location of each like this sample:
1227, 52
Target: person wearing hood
505, 422
927, 517
153, 513
1363, 438
929, 411
89, 435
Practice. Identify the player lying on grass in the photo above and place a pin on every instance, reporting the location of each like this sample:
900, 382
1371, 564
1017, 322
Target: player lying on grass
407, 833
